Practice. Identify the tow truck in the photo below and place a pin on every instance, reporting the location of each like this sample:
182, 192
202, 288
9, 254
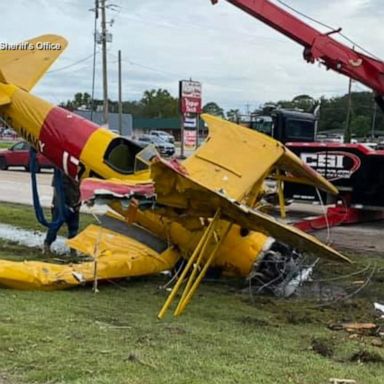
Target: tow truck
356, 169
286, 125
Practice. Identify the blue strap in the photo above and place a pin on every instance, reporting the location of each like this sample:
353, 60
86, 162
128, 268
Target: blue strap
59, 194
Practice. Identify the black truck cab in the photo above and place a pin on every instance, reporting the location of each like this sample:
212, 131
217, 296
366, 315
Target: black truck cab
286, 126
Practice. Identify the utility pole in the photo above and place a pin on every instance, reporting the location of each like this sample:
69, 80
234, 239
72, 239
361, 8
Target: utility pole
96, 10
104, 54
347, 130
120, 97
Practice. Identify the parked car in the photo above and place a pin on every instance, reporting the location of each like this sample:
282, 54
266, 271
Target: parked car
18, 156
165, 136
6, 133
164, 147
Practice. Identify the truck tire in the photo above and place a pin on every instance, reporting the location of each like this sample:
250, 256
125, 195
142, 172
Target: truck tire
3, 164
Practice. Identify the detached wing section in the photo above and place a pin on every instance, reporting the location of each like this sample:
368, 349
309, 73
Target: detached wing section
119, 254
236, 159
177, 193
25, 65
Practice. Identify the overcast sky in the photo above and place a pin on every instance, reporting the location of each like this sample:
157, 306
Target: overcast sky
238, 59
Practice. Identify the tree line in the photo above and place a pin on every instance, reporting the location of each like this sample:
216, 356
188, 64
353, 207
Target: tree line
159, 103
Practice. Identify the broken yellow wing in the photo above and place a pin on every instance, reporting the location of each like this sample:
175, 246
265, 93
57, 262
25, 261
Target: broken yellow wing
117, 256
179, 195
234, 159
25, 65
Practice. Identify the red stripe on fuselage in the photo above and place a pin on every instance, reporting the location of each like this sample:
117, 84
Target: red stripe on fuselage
63, 136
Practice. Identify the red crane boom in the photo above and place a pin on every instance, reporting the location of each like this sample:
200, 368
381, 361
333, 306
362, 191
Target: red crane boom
319, 46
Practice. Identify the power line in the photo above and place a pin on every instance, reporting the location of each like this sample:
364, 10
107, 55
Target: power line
71, 65
328, 27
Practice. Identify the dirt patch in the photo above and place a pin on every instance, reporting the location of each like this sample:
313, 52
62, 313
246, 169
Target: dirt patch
4, 379
253, 321
174, 330
323, 347
365, 356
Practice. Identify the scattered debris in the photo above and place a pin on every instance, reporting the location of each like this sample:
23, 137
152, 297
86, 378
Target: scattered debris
369, 329
279, 271
104, 325
134, 358
379, 308
289, 286
365, 356
377, 342
323, 347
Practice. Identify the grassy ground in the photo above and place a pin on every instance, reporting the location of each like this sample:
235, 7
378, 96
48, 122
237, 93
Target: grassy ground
77, 336
23, 216
6, 144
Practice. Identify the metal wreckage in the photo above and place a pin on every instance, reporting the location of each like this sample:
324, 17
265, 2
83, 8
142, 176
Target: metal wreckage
204, 210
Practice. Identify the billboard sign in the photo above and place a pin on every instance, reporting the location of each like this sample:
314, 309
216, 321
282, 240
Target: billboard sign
190, 96
190, 122
190, 137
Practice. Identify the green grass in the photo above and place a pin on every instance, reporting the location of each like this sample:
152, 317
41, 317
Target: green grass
6, 144
113, 336
23, 216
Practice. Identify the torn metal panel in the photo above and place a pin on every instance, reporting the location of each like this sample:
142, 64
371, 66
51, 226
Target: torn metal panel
117, 257
230, 159
235, 158
185, 196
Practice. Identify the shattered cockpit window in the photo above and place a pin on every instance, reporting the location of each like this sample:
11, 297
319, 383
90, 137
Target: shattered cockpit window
144, 157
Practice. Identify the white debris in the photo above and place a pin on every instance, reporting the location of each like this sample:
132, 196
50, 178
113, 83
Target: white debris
31, 239
288, 288
379, 307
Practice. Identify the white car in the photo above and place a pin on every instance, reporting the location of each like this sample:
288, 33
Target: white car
163, 136
164, 147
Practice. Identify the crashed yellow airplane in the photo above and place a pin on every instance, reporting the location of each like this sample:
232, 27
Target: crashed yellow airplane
203, 210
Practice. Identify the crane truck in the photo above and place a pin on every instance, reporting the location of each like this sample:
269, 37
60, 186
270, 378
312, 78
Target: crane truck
357, 170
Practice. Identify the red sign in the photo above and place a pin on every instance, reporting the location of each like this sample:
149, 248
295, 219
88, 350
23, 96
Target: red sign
190, 96
190, 138
190, 105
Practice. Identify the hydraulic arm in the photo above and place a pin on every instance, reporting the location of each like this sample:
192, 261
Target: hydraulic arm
319, 46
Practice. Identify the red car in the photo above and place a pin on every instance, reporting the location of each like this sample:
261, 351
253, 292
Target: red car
18, 156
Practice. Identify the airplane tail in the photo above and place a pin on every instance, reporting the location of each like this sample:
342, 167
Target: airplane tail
23, 64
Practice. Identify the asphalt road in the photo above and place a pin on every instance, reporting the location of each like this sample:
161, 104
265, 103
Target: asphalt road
15, 187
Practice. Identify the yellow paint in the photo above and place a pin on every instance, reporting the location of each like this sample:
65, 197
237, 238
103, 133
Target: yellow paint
237, 158
118, 256
231, 157
92, 156
236, 256
26, 113
188, 294
25, 66
201, 246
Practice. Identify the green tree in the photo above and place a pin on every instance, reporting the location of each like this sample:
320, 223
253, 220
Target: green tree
233, 115
213, 109
159, 103
79, 100
305, 103
361, 126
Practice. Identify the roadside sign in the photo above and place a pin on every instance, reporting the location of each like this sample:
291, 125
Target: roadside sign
190, 96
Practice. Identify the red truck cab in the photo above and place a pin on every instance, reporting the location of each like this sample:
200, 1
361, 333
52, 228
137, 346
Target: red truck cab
18, 156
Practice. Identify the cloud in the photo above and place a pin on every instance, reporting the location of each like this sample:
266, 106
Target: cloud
238, 59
